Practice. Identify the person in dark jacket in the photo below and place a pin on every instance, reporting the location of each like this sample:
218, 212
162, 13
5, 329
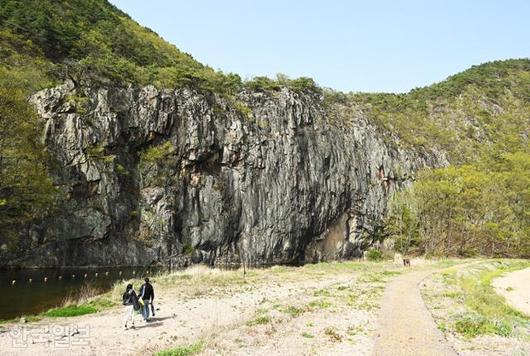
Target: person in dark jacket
131, 304
147, 294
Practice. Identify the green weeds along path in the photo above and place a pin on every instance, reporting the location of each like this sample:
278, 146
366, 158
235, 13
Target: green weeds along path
473, 317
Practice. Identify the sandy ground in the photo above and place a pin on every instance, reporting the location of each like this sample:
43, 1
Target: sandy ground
331, 313
406, 326
515, 288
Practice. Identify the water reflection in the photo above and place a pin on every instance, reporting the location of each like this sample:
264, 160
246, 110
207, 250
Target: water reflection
31, 291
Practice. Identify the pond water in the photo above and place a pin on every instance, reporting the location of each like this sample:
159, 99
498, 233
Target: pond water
26, 298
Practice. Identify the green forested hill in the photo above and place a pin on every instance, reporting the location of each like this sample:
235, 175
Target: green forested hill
480, 118
481, 203
484, 108
91, 39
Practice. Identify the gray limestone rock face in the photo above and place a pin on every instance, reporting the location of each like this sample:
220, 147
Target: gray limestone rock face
177, 177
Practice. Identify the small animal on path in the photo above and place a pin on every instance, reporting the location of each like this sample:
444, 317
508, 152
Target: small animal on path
406, 262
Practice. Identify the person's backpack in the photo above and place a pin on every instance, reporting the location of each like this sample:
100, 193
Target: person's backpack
126, 298
135, 302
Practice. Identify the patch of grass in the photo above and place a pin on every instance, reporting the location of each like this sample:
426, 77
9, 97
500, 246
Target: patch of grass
486, 311
293, 311
243, 109
344, 266
449, 277
260, 320
471, 325
452, 294
375, 277
481, 297
322, 293
319, 304
374, 255
90, 307
157, 153
187, 350
368, 306
355, 330
72, 310
333, 334
307, 335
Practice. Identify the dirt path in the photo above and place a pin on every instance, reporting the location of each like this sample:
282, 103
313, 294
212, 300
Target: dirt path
515, 288
405, 326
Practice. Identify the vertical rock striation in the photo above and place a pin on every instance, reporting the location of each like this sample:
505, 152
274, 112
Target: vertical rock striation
185, 177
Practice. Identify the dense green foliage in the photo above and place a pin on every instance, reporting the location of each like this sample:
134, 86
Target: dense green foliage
93, 40
281, 81
483, 110
481, 119
374, 255
26, 190
478, 209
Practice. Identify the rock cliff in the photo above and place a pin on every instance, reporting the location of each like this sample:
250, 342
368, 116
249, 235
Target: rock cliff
180, 177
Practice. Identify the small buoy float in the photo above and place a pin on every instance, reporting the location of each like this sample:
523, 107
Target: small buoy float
60, 277
86, 275
13, 282
96, 274
30, 280
45, 279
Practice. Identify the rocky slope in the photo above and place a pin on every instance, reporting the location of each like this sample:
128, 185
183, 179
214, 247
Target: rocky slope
179, 177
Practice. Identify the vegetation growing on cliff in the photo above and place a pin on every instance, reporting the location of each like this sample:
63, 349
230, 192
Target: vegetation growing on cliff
26, 190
